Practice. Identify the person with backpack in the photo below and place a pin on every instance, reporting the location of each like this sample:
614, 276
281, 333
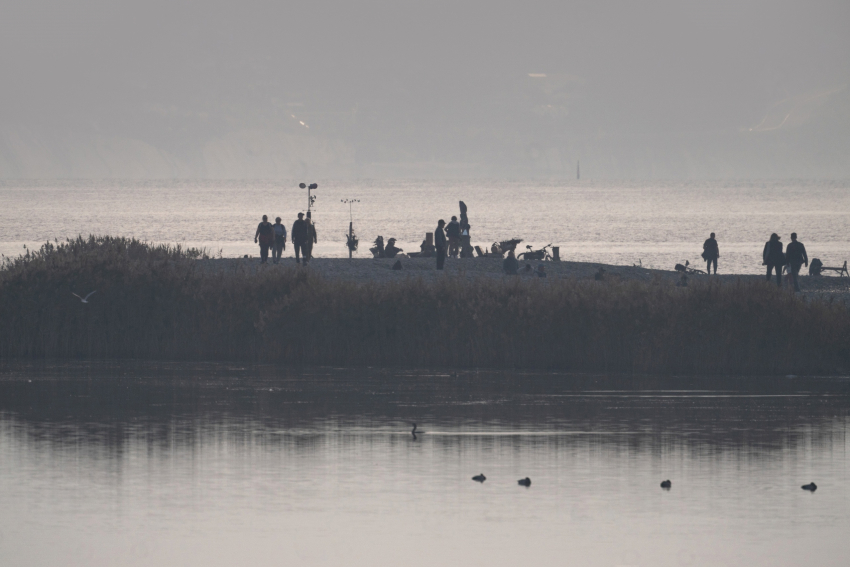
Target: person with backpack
773, 257
710, 253
453, 234
299, 235
795, 254
265, 236
279, 240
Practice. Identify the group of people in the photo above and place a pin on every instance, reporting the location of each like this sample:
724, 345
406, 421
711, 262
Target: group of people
450, 240
447, 241
273, 236
510, 265
792, 259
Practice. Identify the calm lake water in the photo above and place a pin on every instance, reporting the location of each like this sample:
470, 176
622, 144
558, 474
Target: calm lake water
655, 223
195, 464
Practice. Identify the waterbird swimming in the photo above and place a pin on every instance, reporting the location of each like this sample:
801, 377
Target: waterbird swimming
414, 432
479, 478
84, 299
524, 482
811, 486
666, 484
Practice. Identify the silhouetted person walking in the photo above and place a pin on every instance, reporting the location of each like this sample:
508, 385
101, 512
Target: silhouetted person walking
796, 256
773, 257
311, 238
440, 244
300, 233
453, 234
710, 253
279, 240
265, 236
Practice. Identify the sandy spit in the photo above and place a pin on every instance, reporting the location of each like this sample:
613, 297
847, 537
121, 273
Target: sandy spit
380, 271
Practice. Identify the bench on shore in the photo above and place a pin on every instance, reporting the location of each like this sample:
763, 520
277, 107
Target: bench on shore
842, 271
817, 268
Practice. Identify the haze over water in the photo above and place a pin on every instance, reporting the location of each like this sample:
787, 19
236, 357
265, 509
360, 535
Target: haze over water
210, 464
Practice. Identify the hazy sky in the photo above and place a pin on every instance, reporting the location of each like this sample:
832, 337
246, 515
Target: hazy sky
220, 89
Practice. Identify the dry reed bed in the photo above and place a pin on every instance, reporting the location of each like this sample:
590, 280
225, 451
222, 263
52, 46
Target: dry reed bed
153, 303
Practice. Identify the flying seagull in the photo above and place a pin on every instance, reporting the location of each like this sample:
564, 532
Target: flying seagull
84, 299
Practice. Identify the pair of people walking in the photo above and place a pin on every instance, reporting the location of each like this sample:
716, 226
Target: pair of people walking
303, 238
273, 236
775, 259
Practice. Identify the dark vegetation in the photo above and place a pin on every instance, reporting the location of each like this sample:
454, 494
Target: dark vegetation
159, 302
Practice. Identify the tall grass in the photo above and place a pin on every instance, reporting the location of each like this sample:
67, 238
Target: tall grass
155, 302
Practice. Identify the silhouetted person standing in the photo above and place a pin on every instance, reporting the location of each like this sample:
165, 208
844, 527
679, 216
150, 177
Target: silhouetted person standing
440, 244
279, 240
453, 234
510, 265
796, 256
311, 238
710, 253
265, 236
300, 233
773, 257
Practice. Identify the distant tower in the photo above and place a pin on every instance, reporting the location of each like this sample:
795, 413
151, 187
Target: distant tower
578, 170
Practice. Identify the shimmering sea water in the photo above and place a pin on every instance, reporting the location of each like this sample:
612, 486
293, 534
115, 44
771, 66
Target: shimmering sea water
656, 224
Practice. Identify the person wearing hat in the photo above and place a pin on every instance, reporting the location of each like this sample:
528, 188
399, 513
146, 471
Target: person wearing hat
773, 257
279, 240
300, 234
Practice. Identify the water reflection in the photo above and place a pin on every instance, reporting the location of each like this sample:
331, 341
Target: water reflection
208, 464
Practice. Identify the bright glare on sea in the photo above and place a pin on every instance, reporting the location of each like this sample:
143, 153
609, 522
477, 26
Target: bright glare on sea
214, 465
657, 224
